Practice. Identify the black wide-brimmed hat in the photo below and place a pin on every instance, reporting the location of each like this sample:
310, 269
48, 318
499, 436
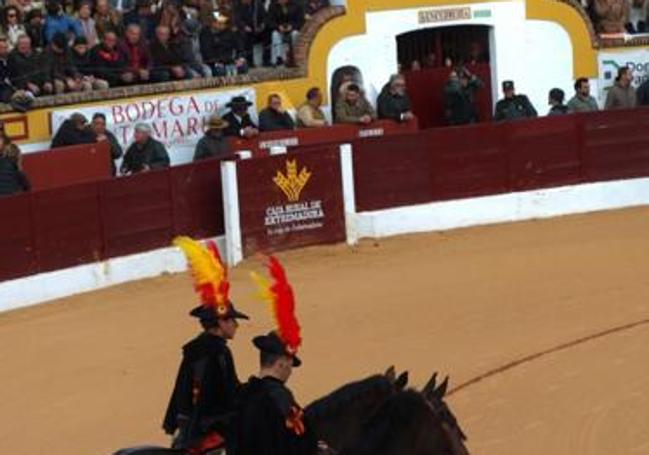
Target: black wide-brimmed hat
273, 344
239, 101
208, 313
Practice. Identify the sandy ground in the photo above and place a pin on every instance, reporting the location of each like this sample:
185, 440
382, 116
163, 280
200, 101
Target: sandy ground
89, 374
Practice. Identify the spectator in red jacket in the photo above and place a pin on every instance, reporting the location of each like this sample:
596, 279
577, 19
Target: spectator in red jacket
107, 61
136, 54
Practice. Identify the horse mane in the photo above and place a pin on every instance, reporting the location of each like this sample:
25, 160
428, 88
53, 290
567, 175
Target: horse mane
333, 404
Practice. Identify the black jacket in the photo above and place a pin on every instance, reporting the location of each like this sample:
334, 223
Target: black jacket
235, 126
561, 109
82, 63
391, 106
12, 179
460, 102
252, 16
293, 14
152, 153
60, 65
69, 135
210, 146
265, 421
220, 47
514, 108
165, 56
108, 64
27, 68
204, 396
115, 150
642, 94
271, 120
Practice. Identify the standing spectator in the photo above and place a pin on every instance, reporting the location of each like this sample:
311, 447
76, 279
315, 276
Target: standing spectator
12, 179
250, 20
143, 16
213, 144
107, 19
555, 99
88, 27
582, 101
34, 28
12, 25
63, 74
313, 6
513, 106
354, 108
459, 97
27, 70
285, 19
222, 49
274, 117
107, 61
393, 103
6, 87
145, 153
73, 131
82, 62
136, 54
102, 134
57, 21
642, 94
622, 94
190, 48
239, 121
167, 63
310, 114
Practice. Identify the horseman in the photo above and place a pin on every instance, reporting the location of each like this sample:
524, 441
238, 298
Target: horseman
269, 420
202, 404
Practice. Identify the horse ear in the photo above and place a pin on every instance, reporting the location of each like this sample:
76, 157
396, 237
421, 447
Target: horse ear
429, 388
441, 390
391, 374
402, 381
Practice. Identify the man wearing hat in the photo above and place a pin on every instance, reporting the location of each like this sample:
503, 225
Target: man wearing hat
240, 123
269, 421
213, 144
145, 153
513, 106
203, 401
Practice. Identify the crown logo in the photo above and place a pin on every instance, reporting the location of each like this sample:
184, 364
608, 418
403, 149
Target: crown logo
293, 182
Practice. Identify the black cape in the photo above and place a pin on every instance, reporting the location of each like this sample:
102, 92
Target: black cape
204, 396
265, 422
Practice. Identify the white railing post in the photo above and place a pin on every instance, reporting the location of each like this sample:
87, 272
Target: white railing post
349, 197
229, 184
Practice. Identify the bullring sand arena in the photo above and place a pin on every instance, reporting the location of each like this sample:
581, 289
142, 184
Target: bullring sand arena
546, 322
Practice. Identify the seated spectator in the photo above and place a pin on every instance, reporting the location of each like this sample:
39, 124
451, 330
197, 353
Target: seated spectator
213, 144
513, 106
145, 153
310, 114
6, 88
63, 74
170, 17
611, 15
34, 28
274, 117
313, 6
637, 17
582, 101
143, 16
12, 179
354, 108
393, 103
622, 94
459, 97
285, 19
89, 31
13, 26
27, 70
136, 54
555, 99
57, 21
240, 123
73, 131
102, 134
166, 61
82, 62
222, 49
190, 48
107, 19
250, 20
107, 62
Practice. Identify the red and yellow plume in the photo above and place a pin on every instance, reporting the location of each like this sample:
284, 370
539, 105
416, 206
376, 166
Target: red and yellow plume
279, 294
209, 273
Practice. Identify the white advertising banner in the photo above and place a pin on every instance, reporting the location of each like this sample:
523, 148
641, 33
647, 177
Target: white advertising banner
609, 62
177, 119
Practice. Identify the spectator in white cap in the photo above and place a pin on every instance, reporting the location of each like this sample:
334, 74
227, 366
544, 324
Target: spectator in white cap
145, 153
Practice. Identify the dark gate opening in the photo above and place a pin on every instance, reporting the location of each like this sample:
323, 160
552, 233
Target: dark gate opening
428, 56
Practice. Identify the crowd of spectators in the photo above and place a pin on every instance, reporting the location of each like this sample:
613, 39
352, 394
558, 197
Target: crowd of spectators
81, 45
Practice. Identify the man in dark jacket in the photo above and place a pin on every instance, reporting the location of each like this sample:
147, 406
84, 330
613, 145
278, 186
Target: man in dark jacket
250, 20
145, 153
285, 19
81, 59
240, 123
63, 73
6, 87
393, 103
513, 106
213, 144
34, 28
555, 99
459, 97
274, 117
103, 134
28, 69
74, 131
166, 60
107, 61
136, 54
12, 179
222, 48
